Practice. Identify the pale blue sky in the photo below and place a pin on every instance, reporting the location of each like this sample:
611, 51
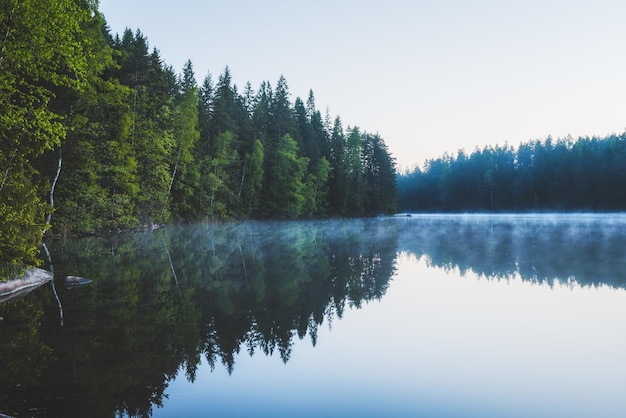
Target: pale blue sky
429, 76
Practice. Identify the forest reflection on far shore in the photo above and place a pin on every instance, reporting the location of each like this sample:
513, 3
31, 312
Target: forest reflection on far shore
589, 249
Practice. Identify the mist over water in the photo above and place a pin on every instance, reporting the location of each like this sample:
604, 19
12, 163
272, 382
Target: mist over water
589, 249
427, 315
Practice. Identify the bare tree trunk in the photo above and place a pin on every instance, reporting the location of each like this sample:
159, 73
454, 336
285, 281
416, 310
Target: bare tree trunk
243, 177
54, 183
169, 190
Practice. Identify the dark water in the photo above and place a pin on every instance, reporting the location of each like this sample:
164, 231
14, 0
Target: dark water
438, 316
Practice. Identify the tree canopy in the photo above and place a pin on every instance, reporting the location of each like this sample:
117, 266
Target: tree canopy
97, 133
586, 174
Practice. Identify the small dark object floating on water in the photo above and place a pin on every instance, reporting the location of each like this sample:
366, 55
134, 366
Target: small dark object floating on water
71, 281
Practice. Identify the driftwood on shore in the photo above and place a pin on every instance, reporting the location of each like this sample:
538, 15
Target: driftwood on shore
19, 287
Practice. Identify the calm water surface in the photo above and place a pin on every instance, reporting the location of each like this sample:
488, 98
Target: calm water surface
434, 316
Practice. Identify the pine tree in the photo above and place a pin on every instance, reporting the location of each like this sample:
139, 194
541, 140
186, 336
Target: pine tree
308, 145
205, 110
224, 104
281, 121
353, 195
261, 113
252, 181
379, 175
338, 180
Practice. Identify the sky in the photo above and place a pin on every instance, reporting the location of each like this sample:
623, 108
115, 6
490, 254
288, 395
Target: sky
430, 77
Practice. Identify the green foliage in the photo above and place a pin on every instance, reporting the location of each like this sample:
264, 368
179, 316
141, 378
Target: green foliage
98, 183
152, 137
109, 137
285, 193
42, 55
219, 180
316, 189
22, 221
185, 178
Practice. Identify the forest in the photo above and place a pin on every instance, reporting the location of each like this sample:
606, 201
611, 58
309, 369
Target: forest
586, 174
98, 133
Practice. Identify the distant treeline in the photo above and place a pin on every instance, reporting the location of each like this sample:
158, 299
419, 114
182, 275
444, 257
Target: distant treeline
97, 133
587, 174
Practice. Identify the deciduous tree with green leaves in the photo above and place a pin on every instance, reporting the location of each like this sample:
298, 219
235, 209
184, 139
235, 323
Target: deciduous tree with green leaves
185, 177
285, 194
41, 55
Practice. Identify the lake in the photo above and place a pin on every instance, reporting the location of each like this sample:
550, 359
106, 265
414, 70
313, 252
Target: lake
406, 316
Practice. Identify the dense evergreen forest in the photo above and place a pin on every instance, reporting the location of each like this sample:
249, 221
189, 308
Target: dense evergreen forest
586, 174
97, 133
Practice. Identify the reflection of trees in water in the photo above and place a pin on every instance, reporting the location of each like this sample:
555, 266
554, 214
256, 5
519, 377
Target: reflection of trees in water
272, 281
23, 354
590, 250
162, 301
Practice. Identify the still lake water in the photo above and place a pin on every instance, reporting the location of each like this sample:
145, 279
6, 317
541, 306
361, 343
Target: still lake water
422, 316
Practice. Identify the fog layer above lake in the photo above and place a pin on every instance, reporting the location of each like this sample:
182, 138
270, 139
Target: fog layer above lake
589, 249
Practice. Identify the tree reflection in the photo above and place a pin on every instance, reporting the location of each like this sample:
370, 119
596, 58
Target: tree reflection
273, 281
162, 301
587, 249
23, 355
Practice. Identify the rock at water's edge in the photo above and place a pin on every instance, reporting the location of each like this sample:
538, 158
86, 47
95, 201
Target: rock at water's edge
20, 286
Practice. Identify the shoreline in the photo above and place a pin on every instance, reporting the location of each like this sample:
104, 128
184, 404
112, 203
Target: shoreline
16, 287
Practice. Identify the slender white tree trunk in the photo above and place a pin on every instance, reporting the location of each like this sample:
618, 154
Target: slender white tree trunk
243, 177
54, 183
